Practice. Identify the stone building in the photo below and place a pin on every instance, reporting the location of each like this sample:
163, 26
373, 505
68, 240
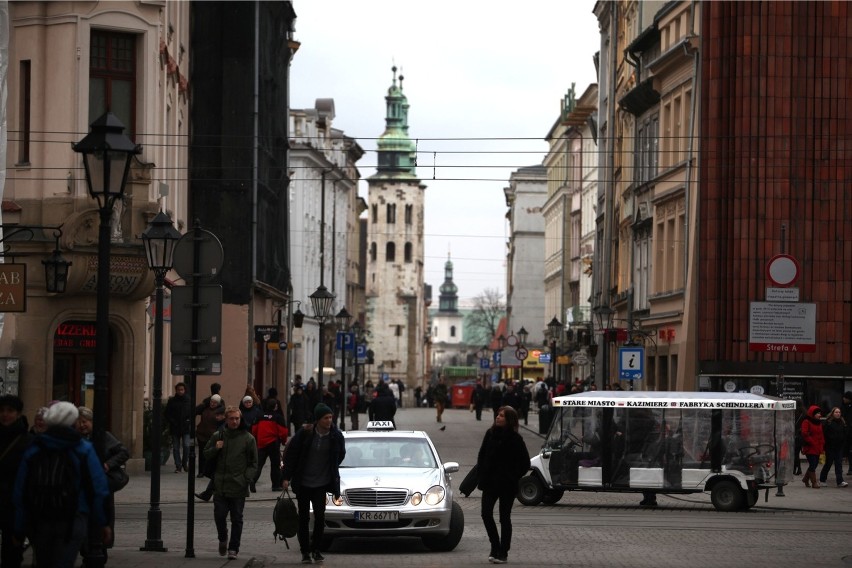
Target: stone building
396, 303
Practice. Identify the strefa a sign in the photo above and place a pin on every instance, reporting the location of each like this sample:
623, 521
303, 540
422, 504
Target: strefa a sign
13, 287
783, 327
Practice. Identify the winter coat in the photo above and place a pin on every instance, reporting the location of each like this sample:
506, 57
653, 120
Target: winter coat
502, 461
251, 415
268, 431
207, 424
92, 494
383, 406
299, 410
813, 439
512, 398
834, 432
178, 414
297, 456
15, 439
441, 394
236, 461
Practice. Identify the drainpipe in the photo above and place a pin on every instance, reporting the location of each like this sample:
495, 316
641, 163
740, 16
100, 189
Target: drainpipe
251, 347
695, 86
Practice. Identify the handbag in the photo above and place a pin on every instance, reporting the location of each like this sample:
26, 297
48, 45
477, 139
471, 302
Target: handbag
117, 479
470, 481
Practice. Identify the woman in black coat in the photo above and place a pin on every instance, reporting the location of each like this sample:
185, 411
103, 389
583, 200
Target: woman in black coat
503, 459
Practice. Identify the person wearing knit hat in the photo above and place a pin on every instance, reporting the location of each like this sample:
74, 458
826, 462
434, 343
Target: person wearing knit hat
251, 411
56, 539
312, 466
61, 414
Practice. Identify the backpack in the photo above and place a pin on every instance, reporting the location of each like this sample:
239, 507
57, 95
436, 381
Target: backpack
285, 516
52, 489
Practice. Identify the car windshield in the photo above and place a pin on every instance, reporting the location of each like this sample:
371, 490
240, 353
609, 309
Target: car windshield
388, 452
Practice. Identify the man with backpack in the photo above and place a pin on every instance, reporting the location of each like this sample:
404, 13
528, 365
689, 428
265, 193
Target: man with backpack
60, 487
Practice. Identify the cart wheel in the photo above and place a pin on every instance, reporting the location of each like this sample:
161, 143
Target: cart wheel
530, 490
727, 496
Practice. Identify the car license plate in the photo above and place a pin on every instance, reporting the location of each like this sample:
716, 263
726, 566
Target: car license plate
376, 516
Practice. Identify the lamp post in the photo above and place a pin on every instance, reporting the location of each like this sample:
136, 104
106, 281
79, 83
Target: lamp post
321, 301
554, 328
604, 316
501, 344
107, 153
160, 239
343, 318
523, 334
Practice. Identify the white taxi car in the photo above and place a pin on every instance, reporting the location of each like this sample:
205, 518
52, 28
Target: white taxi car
392, 483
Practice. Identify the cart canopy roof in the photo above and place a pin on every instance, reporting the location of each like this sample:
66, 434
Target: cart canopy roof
653, 399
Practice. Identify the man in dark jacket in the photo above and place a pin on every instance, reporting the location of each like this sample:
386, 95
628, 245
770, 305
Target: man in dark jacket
312, 465
178, 414
235, 452
383, 406
846, 412
14, 438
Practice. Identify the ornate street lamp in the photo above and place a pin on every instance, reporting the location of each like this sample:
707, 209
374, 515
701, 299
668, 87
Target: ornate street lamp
107, 153
554, 329
321, 300
160, 239
523, 334
343, 318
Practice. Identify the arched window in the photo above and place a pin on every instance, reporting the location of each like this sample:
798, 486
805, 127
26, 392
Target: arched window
375, 213
407, 252
373, 252
390, 252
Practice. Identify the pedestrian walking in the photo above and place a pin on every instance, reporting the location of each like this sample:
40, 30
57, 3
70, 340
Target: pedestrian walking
60, 486
250, 410
440, 396
478, 399
813, 444
846, 412
207, 424
298, 406
312, 463
502, 460
14, 439
355, 404
116, 456
235, 452
383, 406
270, 434
178, 414
834, 432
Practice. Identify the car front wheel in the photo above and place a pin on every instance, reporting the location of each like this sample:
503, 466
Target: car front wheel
451, 539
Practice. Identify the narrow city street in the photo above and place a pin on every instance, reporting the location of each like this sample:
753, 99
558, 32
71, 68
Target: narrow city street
583, 529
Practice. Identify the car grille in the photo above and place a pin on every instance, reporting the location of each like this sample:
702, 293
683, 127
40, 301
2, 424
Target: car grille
375, 498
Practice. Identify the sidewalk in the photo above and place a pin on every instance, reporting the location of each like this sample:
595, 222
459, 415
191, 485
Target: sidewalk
458, 442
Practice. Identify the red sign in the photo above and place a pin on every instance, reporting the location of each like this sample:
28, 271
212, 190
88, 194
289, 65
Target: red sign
75, 336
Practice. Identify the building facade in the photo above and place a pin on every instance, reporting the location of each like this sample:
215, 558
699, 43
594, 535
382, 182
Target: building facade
325, 228
68, 63
396, 304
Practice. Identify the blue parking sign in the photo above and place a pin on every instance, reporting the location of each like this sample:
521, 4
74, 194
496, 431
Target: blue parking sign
361, 352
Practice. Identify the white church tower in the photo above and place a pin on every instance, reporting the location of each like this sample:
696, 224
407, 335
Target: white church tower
396, 309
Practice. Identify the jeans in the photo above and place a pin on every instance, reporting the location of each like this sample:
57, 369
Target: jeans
222, 506
499, 543
813, 461
306, 497
180, 442
832, 457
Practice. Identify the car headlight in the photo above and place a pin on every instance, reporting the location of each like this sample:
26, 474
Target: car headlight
435, 495
332, 501
417, 498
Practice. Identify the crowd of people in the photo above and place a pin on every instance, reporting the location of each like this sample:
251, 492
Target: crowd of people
56, 491
825, 439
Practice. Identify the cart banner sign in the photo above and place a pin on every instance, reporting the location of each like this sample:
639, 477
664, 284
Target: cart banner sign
782, 327
676, 400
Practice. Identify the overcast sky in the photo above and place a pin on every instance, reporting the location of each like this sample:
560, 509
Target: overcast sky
484, 80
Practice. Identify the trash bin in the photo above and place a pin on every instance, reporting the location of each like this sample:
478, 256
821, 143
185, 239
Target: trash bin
461, 395
545, 414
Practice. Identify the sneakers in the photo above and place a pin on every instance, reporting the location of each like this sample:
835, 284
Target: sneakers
843, 484
499, 560
306, 558
317, 557
223, 547
232, 555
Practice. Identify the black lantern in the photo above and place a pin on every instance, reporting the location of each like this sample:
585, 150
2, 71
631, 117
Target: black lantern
107, 153
160, 239
56, 272
298, 318
343, 318
321, 300
523, 334
554, 328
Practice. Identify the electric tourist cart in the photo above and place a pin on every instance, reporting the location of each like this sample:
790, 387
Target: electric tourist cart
729, 444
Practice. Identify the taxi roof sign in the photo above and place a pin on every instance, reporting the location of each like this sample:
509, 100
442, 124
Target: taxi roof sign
380, 425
